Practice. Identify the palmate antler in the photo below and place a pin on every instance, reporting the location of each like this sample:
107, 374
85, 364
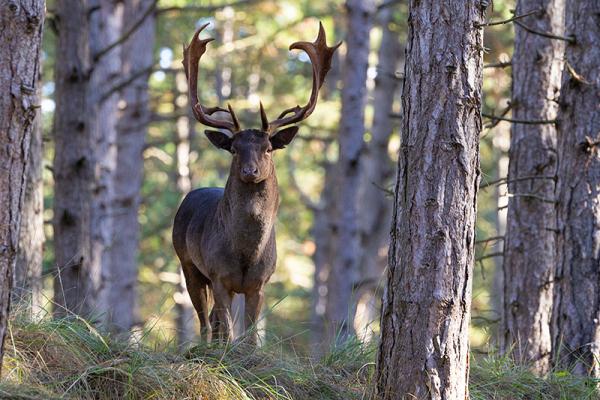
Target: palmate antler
191, 59
319, 54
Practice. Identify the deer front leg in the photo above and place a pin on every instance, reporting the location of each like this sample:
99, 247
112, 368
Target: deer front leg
222, 308
197, 286
254, 302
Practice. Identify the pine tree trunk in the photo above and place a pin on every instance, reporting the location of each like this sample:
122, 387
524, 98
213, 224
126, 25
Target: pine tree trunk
325, 237
185, 318
22, 23
529, 265
85, 154
377, 171
576, 313
345, 269
137, 59
426, 304
27, 290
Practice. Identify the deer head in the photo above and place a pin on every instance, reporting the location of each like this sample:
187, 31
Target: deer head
252, 148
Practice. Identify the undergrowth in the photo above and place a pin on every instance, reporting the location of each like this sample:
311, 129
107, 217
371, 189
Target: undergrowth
69, 359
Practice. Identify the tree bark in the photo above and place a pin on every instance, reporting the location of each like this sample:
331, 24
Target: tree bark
22, 23
27, 290
529, 262
345, 268
576, 315
85, 154
377, 171
426, 303
134, 114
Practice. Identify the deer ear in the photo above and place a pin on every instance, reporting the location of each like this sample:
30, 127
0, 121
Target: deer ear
219, 139
283, 137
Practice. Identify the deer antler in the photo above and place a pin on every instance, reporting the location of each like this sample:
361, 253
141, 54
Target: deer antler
320, 56
191, 59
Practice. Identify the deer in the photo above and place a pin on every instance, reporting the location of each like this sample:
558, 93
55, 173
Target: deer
225, 237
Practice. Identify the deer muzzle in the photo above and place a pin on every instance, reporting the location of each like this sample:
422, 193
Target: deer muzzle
250, 174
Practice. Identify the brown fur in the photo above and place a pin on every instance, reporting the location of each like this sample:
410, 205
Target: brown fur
225, 238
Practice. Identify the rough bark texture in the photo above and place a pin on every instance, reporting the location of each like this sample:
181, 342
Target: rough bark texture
27, 290
576, 314
21, 30
377, 171
345, 269
85, 154
426, 304
529, 265
137, 58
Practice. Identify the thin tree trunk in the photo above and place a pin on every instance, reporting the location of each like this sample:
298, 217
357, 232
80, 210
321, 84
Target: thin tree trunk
186, 315
501, 148
576, 313
529, 265
426, 304
341, 306
22, 23
325, 235
377, 171
137, 57
27, 290
85, 154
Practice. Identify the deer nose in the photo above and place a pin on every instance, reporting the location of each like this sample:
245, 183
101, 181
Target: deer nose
250, 173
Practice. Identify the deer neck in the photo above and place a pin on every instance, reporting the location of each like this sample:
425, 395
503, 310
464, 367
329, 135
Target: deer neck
248, 213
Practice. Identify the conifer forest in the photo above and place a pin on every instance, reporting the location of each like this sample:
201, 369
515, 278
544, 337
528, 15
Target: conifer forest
298, 200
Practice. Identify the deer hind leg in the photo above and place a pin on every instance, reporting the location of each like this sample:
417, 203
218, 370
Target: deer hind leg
198, 287
254, 302
221, 314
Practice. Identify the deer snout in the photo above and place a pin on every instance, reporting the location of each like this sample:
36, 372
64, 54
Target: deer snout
250, 174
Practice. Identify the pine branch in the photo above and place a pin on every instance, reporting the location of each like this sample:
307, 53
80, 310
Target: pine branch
490, 239
523, 178
123, 83
127, 33
569, 39
575, 75
532, 196
498, 65
506, 21
495, 122
490, 255
520, 121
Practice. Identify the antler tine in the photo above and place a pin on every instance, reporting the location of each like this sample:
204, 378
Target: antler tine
320, 56
191, 58
263, 118
236, 122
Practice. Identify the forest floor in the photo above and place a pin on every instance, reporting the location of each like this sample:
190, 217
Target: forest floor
53, 359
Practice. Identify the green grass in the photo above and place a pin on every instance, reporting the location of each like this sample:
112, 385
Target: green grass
68, 358
498, 377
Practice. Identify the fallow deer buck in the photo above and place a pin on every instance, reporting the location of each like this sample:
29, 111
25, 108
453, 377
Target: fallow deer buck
225, 238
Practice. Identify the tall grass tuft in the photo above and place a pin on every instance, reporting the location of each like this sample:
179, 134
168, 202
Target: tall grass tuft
499, 377
70, 359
